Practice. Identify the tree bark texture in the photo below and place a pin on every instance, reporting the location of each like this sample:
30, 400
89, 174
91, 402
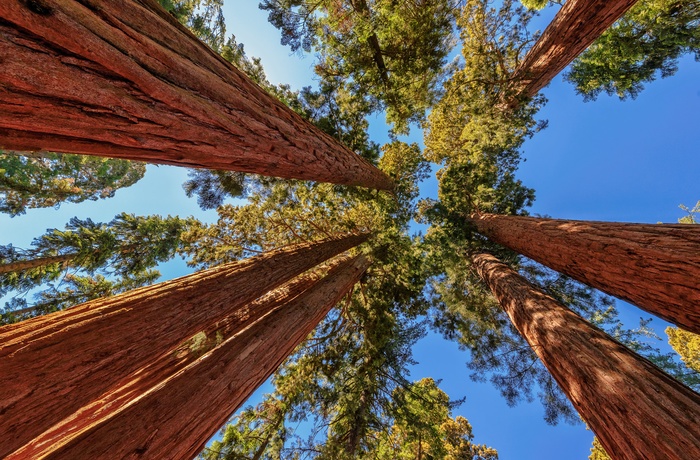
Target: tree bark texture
654, 266
635, 409
53, 365
175, 418
576, 25
125, 79
22, 265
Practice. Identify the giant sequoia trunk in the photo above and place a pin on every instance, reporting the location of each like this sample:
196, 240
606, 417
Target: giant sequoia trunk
635, 409
22, 265
654, 266
123, 78
577, 24
175, 418
53, 365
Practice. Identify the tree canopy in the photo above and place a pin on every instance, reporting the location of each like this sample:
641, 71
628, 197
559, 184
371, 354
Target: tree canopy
87, 260
644, 44
349, 383
387, 56
45, 179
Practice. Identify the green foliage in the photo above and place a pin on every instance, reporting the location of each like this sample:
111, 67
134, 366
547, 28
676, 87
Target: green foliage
342, 380
423, 428
644, 43
212, 186
597, 451
389, 55
469, 130
687, 345
692, 214
478, 140
203, 17
534, 4
124, 250
44, 179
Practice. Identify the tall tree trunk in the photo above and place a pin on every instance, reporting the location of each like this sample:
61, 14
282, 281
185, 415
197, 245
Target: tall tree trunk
22, 265
633, 407
53, 365
175, 418
164, 367
654, 266
576, 25
125, 79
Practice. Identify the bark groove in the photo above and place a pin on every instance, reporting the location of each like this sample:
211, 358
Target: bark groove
124, 79
654, 266
635, 409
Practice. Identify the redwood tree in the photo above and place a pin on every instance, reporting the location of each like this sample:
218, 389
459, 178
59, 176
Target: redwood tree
577, 24
186, 408
52, 365
631, 405
125, 79
654, 266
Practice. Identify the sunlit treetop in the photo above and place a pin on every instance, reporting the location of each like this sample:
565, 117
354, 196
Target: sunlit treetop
389, 54
45, 179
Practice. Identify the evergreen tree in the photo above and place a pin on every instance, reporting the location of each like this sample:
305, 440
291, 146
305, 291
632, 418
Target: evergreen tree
342, 380
424, 428
478, 140
44, 179
573, 29
76, 261
645, 43
389, 55
204, 18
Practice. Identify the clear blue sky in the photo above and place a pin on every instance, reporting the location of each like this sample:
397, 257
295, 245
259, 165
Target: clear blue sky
630, 161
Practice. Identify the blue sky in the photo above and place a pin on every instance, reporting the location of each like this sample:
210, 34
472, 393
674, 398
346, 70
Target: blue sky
632, 161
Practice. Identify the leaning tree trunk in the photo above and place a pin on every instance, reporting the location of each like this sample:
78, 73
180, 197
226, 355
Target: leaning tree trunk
53, 365
577, 24
654, 266
165, 367
124, 79
22, 265
175, 418
633, 407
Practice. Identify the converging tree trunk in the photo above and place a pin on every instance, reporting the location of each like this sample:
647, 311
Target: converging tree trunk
53, 365
175, 418
576, 25
633, 407
125, 79
22, 265
654, 266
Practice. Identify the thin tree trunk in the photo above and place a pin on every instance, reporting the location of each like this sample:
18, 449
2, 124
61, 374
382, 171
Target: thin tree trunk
175, 418
125, 79
576, 25
361, 7
23, 265
53, 365
654, 266
633, 407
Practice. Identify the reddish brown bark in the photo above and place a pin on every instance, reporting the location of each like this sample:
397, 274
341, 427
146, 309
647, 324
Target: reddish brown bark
53, 365
654, 266
34, 263
124, 79
175, 418
577, 24
635, 409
